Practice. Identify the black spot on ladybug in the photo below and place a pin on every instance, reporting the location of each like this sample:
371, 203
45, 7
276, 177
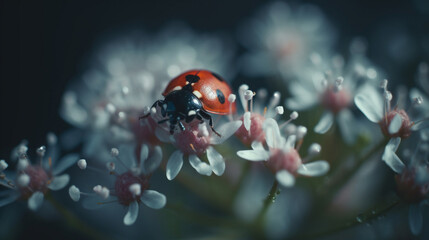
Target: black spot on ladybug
218, 77
220, 96
192, 78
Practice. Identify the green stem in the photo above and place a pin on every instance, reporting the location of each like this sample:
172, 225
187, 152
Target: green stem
73, 221
271, 198
360, 219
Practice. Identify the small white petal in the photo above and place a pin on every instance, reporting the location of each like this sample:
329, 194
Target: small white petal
35, 201
393, 144
65, 162
415, 218
390, 157
174, 164
153, 199
395, 124
257, 145
225, 131
314, 169
200, 166
285, 178
59, 182
370, 103
74, 193
325, 123
154, 160
246, 120
216, 161
254, 155
272, 133
131, 216
144, 153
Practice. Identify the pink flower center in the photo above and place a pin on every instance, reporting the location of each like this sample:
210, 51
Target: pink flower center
404, 131
408, 189
122, 187
256, 132
335, 101
39, 180
280, 160
145, 133
191, 141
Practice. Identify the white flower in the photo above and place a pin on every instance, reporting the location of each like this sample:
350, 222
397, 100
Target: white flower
394, 121
34, 180
282, 158
332, 84
131, 183
195, 141
280, 39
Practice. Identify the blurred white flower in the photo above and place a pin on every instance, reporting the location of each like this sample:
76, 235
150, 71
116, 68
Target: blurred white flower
332, 83
280, 39
131, 185
32, 181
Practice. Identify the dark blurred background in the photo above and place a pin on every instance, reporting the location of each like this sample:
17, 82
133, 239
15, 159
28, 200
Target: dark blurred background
45, 44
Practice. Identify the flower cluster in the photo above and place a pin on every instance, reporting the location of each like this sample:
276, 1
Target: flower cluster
33, 180
133, 131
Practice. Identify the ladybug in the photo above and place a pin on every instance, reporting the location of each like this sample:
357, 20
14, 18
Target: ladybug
193, 95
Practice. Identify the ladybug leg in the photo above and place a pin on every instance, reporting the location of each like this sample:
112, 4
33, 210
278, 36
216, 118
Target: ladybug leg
199, 118
163, 121
181, 126
173, 123
208, 117
156, 104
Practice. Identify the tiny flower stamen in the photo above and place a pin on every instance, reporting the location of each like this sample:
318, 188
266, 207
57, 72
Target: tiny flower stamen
82, 164
41, 151
102, 191
23, 180
135, 189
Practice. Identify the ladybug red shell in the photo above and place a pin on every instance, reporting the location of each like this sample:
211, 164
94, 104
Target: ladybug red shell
210, 88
